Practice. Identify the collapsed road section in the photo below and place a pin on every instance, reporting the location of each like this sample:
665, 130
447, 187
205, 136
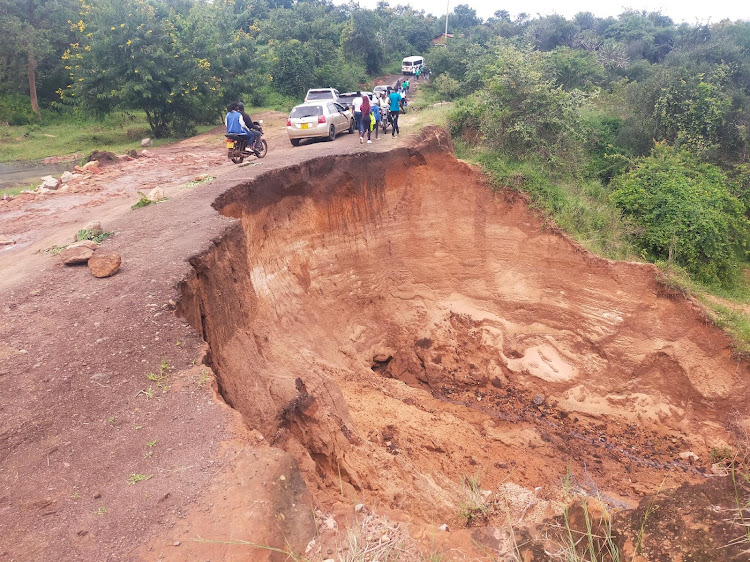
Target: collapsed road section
400, 328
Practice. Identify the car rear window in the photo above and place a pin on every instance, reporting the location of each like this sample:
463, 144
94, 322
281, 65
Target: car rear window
307, 111
319, 95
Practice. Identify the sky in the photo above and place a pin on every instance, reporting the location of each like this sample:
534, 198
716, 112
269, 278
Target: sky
688, 11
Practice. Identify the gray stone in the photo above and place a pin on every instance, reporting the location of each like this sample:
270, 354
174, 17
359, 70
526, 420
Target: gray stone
66, 177
49, 182
146, 142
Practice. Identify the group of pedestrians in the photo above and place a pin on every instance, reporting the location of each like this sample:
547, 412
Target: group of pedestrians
369, 114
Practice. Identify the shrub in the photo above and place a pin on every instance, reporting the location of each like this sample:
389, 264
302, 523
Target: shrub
686, 213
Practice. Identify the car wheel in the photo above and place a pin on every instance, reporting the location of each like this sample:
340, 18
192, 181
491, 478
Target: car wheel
351, 125
331, 133
295, 142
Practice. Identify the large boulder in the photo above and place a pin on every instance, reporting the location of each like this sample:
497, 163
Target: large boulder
77, 255
104, 264
146, 142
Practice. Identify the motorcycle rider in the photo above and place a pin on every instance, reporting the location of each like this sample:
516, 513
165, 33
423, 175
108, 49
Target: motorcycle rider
235, 123
255, 134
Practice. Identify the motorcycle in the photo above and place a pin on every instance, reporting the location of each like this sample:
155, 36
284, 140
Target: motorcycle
237, 149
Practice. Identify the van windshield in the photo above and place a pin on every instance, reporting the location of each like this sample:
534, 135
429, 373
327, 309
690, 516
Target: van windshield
307, 111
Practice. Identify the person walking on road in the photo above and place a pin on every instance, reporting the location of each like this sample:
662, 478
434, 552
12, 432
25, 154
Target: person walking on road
357, 106
417, 72
374, 122
393, 111
365, 121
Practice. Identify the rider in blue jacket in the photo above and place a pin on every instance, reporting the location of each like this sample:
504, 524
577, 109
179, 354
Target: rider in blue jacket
236, 124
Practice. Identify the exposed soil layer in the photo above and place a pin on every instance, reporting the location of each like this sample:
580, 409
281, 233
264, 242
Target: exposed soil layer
398, 327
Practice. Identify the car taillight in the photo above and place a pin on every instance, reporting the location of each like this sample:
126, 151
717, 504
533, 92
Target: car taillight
288, 121
321, 119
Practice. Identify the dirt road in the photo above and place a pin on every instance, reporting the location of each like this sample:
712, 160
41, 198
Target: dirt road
383, 328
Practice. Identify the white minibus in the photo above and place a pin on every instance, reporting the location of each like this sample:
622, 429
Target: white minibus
410, 64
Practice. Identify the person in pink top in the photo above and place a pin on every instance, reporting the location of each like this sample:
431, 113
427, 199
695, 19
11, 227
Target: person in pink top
364, 122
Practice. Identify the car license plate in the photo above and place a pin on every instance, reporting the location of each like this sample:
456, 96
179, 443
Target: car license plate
304, 125
230, 144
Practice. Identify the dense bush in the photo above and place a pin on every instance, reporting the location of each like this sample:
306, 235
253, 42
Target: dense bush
686, 213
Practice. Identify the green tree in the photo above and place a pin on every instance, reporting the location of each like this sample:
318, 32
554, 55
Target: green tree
34, 34
686, 212
692, 110
292, 68
129, 56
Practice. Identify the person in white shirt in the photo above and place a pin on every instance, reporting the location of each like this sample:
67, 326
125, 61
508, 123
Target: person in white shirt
357, 106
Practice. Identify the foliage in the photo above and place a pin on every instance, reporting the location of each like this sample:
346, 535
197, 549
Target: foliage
581, 208
446, 86
143, 201
94, 235
686, 213
129, 56
521, 112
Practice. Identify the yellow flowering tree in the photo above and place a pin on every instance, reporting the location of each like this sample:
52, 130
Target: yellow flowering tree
129, 56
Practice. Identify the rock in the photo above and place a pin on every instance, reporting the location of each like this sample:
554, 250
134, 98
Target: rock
146, 142
49, 182
102, 157
104, 264
202, 177
6, 242
133, 153
90, 244
66, 177
145, 153
176, 543
538, 399
90, 165
94, 227
359, 507
156, 194
689, 456
76, 256
444, 527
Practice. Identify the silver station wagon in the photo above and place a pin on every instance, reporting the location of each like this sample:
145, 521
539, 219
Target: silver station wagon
318, 119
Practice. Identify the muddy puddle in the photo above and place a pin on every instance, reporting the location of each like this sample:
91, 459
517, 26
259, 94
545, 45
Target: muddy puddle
423, 345
13, 174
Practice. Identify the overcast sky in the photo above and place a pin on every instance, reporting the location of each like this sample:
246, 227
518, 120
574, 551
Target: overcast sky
689, 11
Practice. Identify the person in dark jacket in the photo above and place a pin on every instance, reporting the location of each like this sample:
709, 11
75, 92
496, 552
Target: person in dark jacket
254, 132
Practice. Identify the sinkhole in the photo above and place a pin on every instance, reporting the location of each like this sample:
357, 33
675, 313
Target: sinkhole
399, 326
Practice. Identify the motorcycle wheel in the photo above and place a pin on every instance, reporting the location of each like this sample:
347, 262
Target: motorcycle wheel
263, 149
238, 159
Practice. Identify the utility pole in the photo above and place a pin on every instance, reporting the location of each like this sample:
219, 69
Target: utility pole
447, 4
